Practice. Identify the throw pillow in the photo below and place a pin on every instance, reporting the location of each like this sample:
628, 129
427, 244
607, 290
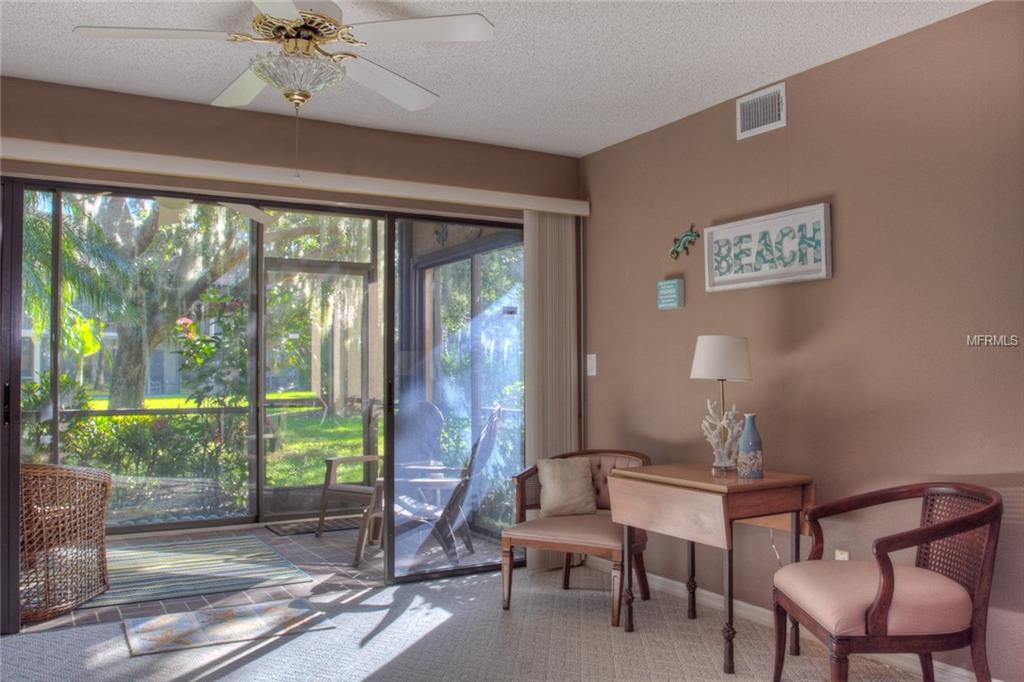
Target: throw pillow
566, 487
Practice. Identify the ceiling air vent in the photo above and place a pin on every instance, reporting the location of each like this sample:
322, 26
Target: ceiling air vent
761, 111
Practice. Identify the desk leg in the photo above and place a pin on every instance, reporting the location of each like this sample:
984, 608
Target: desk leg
728, 632
794, 556
627, 568
691, 583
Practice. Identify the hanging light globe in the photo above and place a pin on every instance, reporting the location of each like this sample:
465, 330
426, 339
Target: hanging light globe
297, 76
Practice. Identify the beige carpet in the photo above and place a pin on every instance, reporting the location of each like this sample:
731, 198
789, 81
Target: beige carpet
447, 630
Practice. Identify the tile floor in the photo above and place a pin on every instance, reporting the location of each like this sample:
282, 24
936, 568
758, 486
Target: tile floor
327, 560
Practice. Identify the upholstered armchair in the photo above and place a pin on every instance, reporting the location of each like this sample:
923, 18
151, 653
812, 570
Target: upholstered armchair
593, 534
939, 603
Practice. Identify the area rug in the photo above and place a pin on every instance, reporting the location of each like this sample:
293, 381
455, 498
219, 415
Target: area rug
309, 527
207, 627
185, 568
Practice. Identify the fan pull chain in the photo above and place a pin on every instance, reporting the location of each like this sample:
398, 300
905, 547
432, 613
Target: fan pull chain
297, 175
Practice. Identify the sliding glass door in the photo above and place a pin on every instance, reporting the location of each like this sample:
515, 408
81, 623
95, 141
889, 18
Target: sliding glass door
458, 428
323, 355
133, 350
210, 355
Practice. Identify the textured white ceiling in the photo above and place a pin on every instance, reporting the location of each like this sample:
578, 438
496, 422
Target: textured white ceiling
563, 77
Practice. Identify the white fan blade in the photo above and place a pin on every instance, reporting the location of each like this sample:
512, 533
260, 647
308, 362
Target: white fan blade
241, 91
449, 29
170, 209
399, 90
250, 211
327, 7
166, 33
279, 9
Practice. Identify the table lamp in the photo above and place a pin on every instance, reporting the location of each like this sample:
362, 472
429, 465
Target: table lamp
722, 358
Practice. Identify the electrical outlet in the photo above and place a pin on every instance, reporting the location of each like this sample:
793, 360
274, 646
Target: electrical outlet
842, 555
591, 364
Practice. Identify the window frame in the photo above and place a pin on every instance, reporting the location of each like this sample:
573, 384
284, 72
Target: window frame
16, 186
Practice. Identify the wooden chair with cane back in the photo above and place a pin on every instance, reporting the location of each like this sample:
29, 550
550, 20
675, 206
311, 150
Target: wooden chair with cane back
939, 603
593, 534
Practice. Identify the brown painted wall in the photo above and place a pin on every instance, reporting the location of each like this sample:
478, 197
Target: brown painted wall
82, 116
864, 380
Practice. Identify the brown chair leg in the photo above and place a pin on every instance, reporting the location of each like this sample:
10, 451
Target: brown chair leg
377, 516
365, 528
364, 532
566, 567
780, 642
927, 670
616, 588
463, 530
839, 666
979, 657
323, 502
641, 576
506, 573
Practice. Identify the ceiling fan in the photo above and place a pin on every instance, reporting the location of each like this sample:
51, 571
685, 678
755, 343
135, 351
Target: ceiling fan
303, 66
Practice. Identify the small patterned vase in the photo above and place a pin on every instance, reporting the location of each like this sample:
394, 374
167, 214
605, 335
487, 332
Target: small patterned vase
750, 463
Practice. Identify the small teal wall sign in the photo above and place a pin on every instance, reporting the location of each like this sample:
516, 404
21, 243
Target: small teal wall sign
670, 294
791, 246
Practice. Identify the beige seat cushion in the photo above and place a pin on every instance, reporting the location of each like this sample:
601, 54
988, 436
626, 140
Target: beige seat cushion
838, 594
594, 530
566, 487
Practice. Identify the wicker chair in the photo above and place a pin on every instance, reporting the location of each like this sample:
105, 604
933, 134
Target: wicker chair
939, 603
63, 546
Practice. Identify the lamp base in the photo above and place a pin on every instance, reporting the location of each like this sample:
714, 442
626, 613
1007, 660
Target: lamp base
723, 471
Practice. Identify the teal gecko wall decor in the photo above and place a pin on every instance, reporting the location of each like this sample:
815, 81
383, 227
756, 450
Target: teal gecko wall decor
684, 242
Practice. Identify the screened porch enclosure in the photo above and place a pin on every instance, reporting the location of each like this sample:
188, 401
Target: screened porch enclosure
208, 356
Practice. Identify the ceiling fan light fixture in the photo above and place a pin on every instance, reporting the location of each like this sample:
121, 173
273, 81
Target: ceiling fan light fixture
297, 76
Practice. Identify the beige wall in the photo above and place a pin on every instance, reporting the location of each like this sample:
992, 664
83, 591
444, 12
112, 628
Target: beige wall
97, 118
863, 380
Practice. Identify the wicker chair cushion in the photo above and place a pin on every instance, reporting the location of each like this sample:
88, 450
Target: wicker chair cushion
837, 594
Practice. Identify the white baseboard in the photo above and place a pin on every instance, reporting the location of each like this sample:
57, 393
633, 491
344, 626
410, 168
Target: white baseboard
762, 616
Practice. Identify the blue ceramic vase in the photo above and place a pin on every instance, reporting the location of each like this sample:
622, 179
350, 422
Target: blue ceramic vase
750, 463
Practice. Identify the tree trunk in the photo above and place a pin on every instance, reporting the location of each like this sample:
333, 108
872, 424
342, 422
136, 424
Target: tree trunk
128, 375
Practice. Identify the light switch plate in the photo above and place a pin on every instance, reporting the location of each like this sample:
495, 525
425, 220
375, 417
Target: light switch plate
591, 364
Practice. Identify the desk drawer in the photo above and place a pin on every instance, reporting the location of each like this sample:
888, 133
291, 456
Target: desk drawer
686, 513
755, 503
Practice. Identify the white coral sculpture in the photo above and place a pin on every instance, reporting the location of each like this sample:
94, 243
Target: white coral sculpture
723, 433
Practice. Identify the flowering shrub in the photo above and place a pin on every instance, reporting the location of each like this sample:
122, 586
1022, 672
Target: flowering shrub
215, 364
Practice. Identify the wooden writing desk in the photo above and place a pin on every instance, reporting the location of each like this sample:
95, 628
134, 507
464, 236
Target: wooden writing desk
686, 501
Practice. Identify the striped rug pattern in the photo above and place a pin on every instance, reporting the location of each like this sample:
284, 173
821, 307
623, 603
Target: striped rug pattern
308, 527
185, 568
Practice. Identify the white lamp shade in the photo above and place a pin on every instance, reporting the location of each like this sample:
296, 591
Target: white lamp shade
721, 357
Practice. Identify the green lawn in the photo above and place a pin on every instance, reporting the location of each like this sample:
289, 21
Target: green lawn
296, 456
302, 440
